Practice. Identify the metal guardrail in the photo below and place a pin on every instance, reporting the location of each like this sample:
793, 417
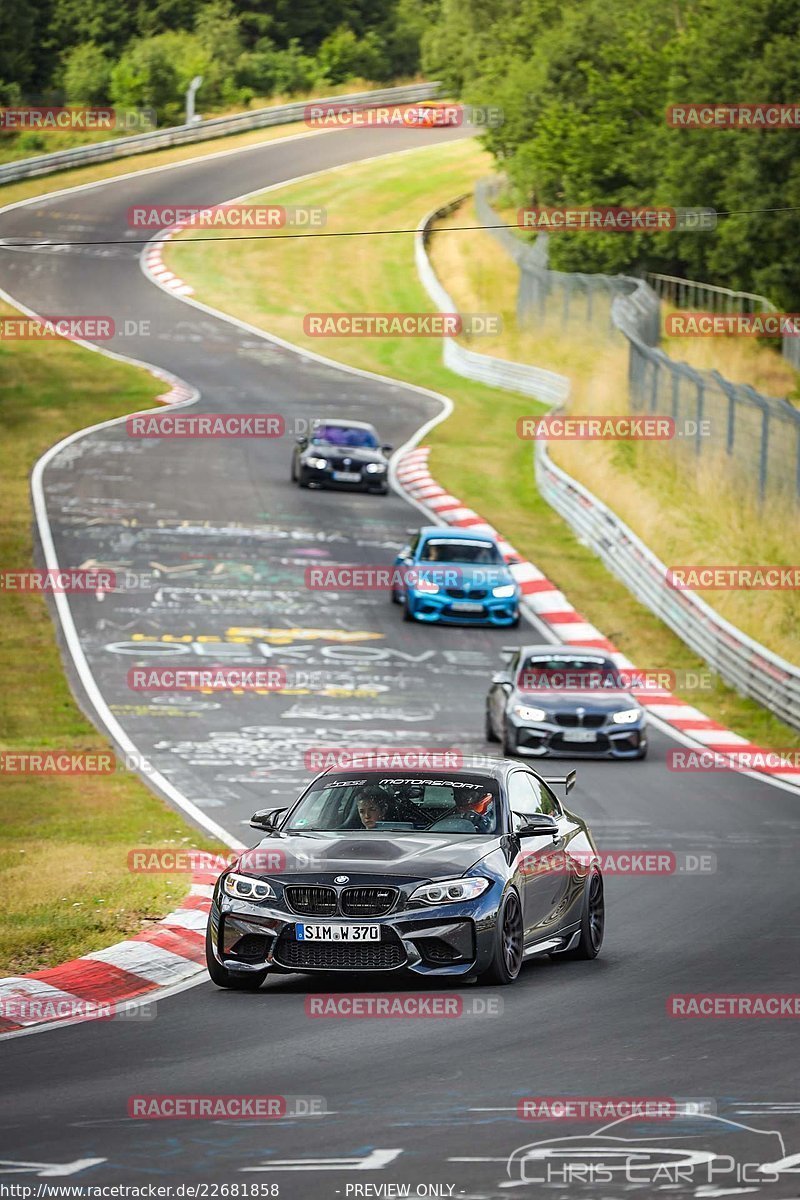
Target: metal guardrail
179, 135
743, 663
542, 385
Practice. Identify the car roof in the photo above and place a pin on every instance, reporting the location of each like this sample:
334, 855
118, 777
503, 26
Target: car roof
471, 535
571, 648
343, 421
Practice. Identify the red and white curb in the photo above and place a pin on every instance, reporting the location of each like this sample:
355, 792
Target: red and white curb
551, 607
155, 264
102, 984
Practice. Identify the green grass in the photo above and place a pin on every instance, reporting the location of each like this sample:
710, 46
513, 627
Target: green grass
475, 453
64, 884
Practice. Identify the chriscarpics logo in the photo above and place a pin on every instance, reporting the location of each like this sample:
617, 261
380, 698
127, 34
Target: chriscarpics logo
701, 1153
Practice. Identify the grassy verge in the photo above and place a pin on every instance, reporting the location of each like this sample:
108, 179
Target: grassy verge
64, 885
274, 284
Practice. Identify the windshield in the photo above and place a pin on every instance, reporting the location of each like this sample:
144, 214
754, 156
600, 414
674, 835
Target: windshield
345, 435
460, 551
376, 802
563, 672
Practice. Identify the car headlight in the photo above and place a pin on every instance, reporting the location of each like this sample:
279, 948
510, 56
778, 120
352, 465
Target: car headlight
504, 591
319, 464
627, 717
530, 714
427, 586
448, 891
244, 887
375, 468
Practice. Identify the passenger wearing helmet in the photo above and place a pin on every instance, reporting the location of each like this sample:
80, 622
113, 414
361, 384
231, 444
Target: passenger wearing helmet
477, 809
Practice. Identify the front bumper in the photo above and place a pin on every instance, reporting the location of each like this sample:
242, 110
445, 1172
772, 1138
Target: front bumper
369, 481
440, 608
444, 941
539, 739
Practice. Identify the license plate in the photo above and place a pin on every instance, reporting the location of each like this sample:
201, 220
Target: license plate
466, 606
338, 933
579, 735
347, 476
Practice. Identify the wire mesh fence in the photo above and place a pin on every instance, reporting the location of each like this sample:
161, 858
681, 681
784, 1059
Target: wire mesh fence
755, 437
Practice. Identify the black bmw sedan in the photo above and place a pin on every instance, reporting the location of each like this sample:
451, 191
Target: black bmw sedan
456, 873
564, 701
342, 454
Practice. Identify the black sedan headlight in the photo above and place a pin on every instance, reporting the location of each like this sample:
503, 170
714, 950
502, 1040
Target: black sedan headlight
245, 887
450, 891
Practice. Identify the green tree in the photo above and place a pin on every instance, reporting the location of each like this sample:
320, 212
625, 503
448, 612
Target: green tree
87, 74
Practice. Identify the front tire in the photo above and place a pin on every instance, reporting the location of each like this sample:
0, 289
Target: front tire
593, 920
509, 937
509, 743
224, 978
489, 732
407, 613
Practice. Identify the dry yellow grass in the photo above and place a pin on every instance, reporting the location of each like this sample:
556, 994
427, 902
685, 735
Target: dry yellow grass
687, 510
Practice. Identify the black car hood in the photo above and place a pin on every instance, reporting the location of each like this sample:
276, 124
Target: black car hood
591, 700
407, 855
359, 454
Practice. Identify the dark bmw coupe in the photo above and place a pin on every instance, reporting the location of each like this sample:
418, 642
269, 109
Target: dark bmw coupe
564, 701
457, 873
342, 454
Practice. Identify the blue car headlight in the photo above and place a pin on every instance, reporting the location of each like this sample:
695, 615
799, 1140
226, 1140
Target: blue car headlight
505, 591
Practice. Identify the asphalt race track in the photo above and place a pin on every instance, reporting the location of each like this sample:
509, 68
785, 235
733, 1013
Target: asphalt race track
419, 1102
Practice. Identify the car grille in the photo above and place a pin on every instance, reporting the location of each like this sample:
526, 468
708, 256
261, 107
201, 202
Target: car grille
338, 464
367, 901
312, 901
339, 956
466, 593
590, 720
322, 901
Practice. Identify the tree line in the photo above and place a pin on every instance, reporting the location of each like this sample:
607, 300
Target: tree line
144, 54
585, 86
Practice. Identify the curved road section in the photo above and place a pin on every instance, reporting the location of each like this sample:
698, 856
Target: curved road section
215, 541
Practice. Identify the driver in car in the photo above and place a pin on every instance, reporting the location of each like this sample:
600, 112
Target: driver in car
479, 809
373, 805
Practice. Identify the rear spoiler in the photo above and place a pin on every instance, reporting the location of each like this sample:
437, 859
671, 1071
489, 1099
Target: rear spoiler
566, 781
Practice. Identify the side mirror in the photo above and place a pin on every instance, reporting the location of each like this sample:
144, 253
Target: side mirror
537, 825
302, 440
266, 819
387, 449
